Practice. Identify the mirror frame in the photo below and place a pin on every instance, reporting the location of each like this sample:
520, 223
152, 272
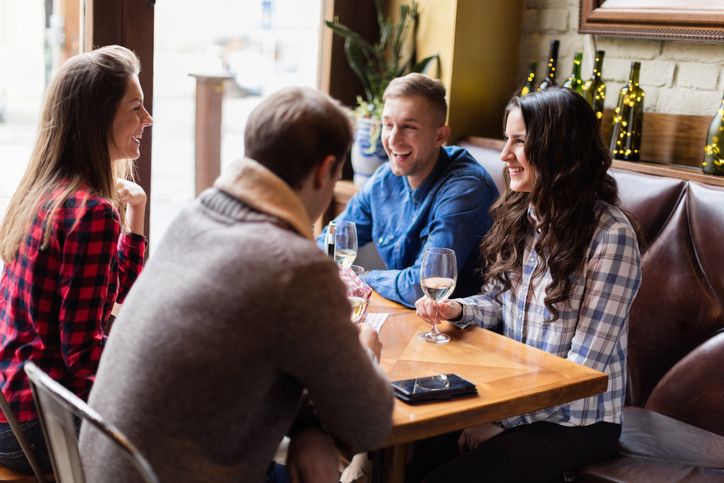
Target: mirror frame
663, 20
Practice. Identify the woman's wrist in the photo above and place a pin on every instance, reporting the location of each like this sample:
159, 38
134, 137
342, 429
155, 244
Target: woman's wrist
135, 218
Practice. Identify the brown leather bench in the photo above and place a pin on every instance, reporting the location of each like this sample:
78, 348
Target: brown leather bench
674, 419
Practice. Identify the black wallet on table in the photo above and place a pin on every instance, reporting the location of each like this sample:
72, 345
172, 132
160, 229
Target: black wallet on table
433, 388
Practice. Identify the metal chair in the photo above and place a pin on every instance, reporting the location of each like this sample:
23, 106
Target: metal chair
58, 408
20, 436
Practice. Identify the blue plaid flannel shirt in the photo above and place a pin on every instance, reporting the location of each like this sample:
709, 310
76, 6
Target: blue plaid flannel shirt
592, 328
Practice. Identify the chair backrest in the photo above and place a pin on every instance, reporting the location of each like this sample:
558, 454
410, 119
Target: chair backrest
20, 436
58, 409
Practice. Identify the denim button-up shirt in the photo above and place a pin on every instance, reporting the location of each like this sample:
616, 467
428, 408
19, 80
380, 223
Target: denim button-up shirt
449, 209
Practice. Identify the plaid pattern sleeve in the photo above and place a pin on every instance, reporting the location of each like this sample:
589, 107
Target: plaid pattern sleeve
592, 327
54, 299
131, 253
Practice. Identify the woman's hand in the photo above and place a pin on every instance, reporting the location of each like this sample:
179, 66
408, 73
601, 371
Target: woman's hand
473, 437
130, 193
433, 312
135, 199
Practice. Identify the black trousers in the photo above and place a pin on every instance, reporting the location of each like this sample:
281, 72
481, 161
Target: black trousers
538, 452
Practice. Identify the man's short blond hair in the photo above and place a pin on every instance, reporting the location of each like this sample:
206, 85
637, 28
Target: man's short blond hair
419, 85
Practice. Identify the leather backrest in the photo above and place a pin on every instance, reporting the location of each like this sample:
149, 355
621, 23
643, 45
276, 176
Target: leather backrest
680, 306
676, 346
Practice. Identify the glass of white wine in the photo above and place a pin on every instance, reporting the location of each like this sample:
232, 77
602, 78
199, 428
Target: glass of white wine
438, 276
345, 244
358, 294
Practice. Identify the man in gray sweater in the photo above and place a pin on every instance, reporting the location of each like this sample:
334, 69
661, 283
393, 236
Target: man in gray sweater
237, 314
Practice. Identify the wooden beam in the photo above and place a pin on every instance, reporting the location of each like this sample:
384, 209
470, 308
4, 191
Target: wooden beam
130, 23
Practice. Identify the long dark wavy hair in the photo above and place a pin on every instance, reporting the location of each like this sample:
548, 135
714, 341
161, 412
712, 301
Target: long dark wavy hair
571, 162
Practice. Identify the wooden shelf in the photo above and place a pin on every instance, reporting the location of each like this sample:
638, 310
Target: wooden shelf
688, 173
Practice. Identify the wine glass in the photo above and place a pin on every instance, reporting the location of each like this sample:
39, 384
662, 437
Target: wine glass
358, 294
438, 276
345, 244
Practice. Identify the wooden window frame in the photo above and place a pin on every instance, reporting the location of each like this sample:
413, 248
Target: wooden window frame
129, 23
662, 19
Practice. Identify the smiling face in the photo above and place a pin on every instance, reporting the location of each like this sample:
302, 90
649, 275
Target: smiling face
522, 173
128, 124
412, 135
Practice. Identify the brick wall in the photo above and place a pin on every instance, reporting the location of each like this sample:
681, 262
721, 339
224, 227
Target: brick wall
679, 77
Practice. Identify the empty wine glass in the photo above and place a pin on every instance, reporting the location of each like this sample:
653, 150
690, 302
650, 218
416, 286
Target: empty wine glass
345, 244
438, 276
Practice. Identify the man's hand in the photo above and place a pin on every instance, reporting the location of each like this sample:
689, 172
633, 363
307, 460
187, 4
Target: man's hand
369, 338
313, 457
473, 437
435, 312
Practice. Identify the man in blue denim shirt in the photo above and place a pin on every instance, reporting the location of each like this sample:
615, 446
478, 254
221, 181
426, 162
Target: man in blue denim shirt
427, 195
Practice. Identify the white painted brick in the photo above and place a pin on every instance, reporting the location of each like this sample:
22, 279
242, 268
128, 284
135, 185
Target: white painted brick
554, 19
629, 48
692, 51
616, 69
697, 75
688, 101
531, 22
657, 73
651, 98
612, 90
530, 46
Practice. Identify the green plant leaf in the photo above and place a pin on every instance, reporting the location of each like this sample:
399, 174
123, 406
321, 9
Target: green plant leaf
422, 65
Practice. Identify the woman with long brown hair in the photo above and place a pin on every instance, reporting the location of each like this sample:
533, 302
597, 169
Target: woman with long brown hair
72, 236
562, 267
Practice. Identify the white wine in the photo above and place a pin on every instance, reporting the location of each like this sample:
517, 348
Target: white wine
438, 288
359, 307
344, 257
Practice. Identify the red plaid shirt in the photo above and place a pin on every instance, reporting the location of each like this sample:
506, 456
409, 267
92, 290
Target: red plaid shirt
54, 301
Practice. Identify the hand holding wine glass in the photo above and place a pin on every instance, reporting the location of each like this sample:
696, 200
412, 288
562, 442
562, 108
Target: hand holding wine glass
438, 276
358, 292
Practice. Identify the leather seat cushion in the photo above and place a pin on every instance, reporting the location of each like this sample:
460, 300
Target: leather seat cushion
635, 470
657, 448
647, 434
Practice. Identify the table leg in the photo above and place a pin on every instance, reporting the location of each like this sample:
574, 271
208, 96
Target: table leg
388, 465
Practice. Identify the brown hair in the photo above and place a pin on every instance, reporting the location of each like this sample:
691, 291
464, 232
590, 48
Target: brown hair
293, 130
72, 145
419, 85
564, 145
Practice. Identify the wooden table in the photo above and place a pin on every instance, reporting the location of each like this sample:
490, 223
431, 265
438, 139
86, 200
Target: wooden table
512, 378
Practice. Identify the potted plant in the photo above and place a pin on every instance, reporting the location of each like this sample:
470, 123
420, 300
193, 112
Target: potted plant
376, 64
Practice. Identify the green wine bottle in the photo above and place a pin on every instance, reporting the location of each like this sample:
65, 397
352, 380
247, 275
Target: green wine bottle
628, 119
574, 82
529, 84
594, 90
714, 149
550, 78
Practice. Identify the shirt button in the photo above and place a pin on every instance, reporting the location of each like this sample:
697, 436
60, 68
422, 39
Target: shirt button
532, 259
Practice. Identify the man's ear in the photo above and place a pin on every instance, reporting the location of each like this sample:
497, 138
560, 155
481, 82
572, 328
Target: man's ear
443, 133
325, 172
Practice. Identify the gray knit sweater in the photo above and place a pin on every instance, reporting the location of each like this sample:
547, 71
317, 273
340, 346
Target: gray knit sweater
236, 312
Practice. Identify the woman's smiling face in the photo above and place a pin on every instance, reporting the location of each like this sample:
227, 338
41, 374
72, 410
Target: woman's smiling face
522, 173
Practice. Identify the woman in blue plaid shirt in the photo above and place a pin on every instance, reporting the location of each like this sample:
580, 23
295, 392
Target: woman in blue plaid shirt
562, 267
